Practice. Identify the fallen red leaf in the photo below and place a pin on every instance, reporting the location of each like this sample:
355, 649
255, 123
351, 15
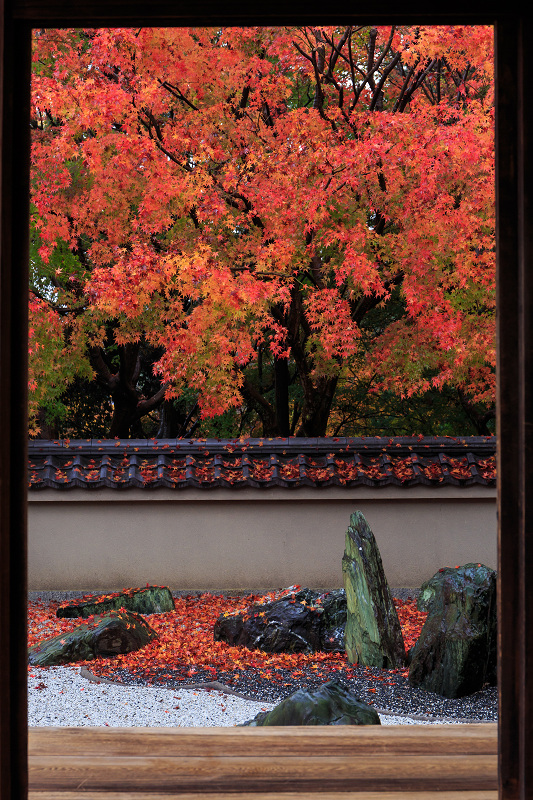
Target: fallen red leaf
185, 640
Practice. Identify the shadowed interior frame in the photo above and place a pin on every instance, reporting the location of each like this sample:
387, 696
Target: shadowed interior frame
514, 127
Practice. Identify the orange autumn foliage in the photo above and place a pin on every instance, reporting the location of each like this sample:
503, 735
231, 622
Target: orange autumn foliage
230, 191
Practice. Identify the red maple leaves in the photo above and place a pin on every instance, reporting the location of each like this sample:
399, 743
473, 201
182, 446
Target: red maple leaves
185, 640
218, 191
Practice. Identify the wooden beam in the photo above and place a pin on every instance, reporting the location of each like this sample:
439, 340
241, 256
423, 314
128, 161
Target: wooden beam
314, 762
14, 232
465, 739
514, 137
353, 795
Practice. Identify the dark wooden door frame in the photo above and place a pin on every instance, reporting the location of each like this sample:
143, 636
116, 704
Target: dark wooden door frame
514, 128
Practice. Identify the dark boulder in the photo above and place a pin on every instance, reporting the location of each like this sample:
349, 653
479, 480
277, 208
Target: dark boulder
333, 620
296, 621
331, 704
147, 600
373, 635
105, 635
288, 624
456, 652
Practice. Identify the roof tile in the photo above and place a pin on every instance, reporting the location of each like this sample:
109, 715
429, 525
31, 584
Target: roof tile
262, 463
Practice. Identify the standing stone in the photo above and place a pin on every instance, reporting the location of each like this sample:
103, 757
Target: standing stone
456, 652
330, 704
373, 636
105, 635
146, 600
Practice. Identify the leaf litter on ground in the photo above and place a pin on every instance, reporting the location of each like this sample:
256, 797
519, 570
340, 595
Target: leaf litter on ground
185, 654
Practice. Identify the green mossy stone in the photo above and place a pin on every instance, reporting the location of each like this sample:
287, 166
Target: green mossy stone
455, 654
147, 600
373, 635
106, 635
331, 704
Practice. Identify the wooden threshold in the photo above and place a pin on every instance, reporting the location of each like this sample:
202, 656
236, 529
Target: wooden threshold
364, 763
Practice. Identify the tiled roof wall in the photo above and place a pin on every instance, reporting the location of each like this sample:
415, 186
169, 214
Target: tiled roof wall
262, 463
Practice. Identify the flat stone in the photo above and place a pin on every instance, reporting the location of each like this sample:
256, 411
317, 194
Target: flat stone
331, 704
146, 600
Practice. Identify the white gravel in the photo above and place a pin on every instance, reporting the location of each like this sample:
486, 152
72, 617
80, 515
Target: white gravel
60, 696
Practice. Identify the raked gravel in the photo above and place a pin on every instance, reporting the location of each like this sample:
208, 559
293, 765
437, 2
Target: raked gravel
60, 696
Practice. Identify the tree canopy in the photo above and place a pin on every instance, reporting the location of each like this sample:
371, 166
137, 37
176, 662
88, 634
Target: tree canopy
270, 219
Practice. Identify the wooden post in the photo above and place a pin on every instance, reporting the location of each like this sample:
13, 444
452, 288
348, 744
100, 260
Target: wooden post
514, 129
13, 389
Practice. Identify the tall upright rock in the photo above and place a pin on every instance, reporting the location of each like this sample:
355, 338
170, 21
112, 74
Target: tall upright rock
373, 636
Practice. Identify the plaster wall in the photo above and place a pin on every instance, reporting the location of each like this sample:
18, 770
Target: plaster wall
249, 540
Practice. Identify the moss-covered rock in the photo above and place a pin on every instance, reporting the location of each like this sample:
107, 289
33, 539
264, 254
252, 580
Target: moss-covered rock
105, 635
373, 635
456, 652
147, 600
331, 704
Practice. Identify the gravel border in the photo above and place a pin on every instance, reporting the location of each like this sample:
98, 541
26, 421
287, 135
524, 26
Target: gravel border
220, 687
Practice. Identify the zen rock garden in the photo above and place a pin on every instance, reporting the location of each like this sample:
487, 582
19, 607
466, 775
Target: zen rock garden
454, 656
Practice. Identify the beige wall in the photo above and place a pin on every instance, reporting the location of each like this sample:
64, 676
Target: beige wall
249, 539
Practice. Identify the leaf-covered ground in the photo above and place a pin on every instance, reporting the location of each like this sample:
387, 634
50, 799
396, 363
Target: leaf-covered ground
186, 654
185, 651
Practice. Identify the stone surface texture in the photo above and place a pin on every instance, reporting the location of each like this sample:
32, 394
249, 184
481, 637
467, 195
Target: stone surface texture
105, 635
331, 704
297, 620
456, 653
373, 635
146, 600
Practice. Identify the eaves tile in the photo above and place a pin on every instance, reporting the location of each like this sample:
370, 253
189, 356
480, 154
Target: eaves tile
122, 464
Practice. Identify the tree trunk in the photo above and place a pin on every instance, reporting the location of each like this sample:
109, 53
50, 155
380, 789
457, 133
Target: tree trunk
281, 371
125, 414
171, 421
318, 397
128, 403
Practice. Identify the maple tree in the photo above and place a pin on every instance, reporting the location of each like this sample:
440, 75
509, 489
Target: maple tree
264, 215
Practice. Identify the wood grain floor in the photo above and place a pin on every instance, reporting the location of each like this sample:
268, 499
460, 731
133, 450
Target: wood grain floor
360, 763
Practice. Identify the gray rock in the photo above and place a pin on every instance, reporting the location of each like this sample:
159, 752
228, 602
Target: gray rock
373, 635
456, 652
105, 635
146, 600
331, 704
